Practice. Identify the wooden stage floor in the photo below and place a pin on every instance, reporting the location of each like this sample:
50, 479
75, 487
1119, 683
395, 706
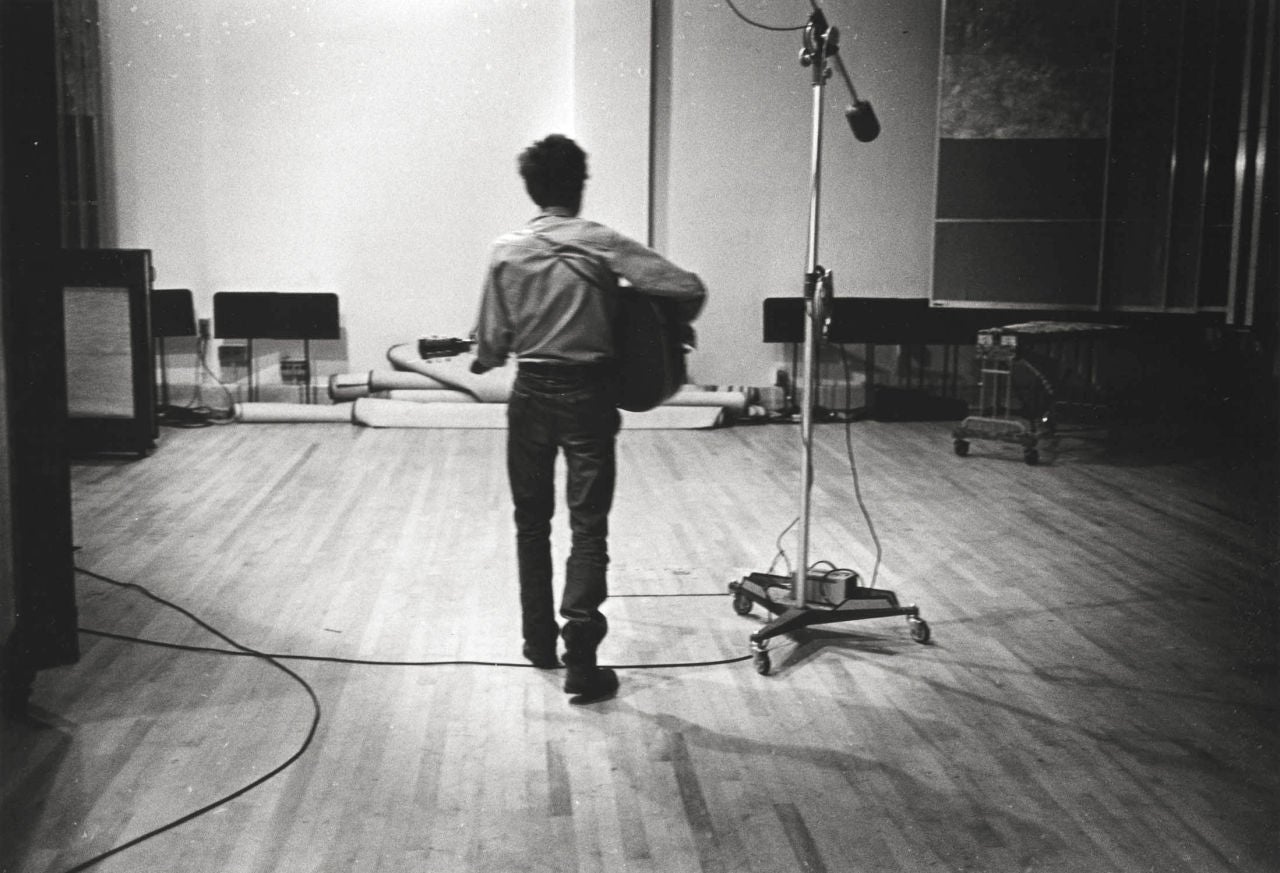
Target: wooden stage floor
1100, 693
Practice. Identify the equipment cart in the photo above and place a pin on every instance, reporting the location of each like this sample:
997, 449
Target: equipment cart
1062, 358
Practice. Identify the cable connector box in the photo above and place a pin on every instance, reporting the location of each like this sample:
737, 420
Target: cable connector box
830, 587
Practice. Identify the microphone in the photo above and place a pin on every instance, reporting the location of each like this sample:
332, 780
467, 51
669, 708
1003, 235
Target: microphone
862, 121
861, 117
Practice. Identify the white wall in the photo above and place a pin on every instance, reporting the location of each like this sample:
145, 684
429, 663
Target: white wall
369, 149
321, 145
612, 78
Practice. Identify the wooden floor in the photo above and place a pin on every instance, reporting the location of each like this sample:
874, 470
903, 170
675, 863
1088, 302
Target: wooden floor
1100, 693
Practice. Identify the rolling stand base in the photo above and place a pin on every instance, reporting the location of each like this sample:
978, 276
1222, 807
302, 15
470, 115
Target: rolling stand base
858, 603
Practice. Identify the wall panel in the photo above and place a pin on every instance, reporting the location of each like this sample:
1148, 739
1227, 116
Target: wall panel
1144, 124
1053, 264
1022, 154
1139, 100
1027, 179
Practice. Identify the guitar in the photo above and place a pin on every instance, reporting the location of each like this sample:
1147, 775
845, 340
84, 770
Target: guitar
648, 336
649, 340
441, 347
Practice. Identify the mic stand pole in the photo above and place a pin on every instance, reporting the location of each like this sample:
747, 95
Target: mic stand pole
810, 602
814, 55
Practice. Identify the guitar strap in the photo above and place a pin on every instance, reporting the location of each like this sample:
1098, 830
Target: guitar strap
570, 255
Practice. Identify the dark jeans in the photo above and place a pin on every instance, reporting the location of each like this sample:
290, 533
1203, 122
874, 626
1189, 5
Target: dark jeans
570, 409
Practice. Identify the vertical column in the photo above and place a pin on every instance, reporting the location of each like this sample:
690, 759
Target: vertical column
1254, 168
43, 584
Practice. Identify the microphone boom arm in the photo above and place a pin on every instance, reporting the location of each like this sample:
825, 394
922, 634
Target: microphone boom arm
859, 113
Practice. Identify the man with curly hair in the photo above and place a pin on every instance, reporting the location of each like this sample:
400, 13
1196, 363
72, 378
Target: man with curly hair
550, 299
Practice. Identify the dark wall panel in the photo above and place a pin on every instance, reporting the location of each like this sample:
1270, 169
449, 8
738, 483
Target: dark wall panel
1022, 159
1143, 125
1045, 263
1022, 69
1021, 178
1186, 220
1023, 91
1215, 265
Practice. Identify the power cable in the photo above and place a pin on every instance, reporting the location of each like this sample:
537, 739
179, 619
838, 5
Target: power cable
202, 358
853, 463
196, 413
760, 25
857, 484
245, 651
275, 659
239, 650
782, 552
373, 662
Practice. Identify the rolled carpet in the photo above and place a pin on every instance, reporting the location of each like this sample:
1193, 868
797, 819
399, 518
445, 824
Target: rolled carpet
261, 413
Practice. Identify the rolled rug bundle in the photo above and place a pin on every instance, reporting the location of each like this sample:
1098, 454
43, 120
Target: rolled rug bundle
271, 413
380, 412
420, 395
353, 386
348, 386
394, 380
692, 395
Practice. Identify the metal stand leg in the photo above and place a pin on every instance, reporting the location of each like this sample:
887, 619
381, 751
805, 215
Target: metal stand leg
306, 369
249, 382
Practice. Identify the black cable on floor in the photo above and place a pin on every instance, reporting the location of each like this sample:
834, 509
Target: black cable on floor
673, 594
274, 659
244, 651
239, 650
373, 662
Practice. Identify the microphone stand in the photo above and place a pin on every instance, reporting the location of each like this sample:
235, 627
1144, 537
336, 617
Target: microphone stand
809, 602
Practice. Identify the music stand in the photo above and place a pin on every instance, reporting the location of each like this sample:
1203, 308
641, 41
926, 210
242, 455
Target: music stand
172, 314
277, 315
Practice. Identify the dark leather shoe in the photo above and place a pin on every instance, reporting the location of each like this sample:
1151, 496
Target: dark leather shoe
590, 684
543, 659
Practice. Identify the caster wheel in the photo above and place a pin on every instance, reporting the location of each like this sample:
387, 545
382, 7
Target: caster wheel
1031, 456
961, 447
919, 629
762, 663
741, 603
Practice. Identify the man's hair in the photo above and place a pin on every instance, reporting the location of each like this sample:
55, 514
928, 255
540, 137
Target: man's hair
554, 171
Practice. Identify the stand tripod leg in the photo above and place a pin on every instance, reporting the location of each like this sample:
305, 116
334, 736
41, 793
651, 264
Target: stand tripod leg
760, 656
